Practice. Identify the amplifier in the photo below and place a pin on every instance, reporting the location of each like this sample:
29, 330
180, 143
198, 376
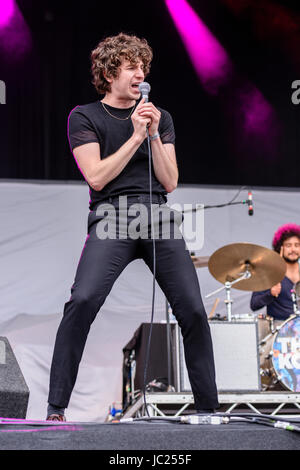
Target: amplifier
236, 354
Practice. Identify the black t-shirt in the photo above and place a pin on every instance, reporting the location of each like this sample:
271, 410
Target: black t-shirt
92, 123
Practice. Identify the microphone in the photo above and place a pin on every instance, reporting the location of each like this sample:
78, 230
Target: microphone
144, 89
250, 203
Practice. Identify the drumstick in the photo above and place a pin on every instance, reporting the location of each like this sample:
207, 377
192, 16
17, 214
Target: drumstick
214, 307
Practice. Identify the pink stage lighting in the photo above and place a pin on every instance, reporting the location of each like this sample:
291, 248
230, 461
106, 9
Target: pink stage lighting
256, 120
258, 113
7, 9
208, 57
15, 35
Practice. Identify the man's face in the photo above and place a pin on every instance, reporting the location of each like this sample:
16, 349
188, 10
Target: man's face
291, 250
125, 85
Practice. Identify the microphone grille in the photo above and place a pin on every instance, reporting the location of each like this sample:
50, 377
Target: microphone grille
144, 88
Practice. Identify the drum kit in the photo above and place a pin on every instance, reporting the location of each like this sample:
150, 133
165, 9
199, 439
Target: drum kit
253, 268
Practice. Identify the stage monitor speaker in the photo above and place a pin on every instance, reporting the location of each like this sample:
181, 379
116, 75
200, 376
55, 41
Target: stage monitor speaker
235, 346
14, 393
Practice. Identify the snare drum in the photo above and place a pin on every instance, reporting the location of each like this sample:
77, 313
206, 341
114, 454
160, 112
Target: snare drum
265, 326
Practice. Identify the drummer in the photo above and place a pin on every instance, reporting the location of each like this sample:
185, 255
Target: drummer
278, 299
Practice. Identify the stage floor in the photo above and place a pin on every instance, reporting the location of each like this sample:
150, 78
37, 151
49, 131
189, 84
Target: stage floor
146, 436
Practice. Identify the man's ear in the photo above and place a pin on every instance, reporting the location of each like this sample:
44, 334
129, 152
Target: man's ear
107, 77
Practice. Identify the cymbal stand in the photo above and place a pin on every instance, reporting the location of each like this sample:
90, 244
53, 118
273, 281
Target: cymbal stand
227, 286
295, 302
168, 342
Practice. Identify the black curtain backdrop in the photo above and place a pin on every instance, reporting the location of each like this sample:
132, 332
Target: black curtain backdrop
54, 77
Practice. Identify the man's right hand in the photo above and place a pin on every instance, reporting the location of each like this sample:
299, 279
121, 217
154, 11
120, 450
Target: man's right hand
139, 122
275, 290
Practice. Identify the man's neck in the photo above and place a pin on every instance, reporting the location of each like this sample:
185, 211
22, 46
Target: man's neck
292, 272
117, 102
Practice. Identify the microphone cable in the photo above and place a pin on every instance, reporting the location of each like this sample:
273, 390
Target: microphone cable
145, 88
154, 273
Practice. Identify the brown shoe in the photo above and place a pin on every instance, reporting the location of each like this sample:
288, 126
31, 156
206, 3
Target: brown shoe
56, 417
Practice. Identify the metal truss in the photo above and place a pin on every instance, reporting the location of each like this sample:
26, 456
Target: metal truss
159, 404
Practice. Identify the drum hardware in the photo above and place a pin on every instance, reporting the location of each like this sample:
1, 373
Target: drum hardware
273, 330
247, 267
245, 317
265, 373
297, 292
263, 342
295, 300
228, 301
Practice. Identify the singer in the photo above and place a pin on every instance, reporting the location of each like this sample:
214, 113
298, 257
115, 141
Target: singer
108, 141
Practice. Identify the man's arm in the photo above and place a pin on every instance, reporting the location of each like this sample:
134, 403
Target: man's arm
165, 165
263, 298
98, 173
260, 300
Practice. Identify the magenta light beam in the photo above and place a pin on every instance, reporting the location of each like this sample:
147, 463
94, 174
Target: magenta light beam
7, 9
256, 120
15, 35
208, 57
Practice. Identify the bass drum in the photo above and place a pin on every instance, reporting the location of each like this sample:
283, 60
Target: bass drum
286, 354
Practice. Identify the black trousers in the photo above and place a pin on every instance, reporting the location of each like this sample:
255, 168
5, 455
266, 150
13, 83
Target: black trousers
101, 262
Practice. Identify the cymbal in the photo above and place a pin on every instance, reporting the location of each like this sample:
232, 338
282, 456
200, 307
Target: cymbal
229, 262
200, 261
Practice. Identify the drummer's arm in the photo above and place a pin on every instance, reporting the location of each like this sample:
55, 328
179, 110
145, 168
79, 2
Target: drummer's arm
261, 299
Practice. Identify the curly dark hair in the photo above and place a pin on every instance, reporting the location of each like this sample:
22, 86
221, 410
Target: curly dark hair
107, 57
283, 233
